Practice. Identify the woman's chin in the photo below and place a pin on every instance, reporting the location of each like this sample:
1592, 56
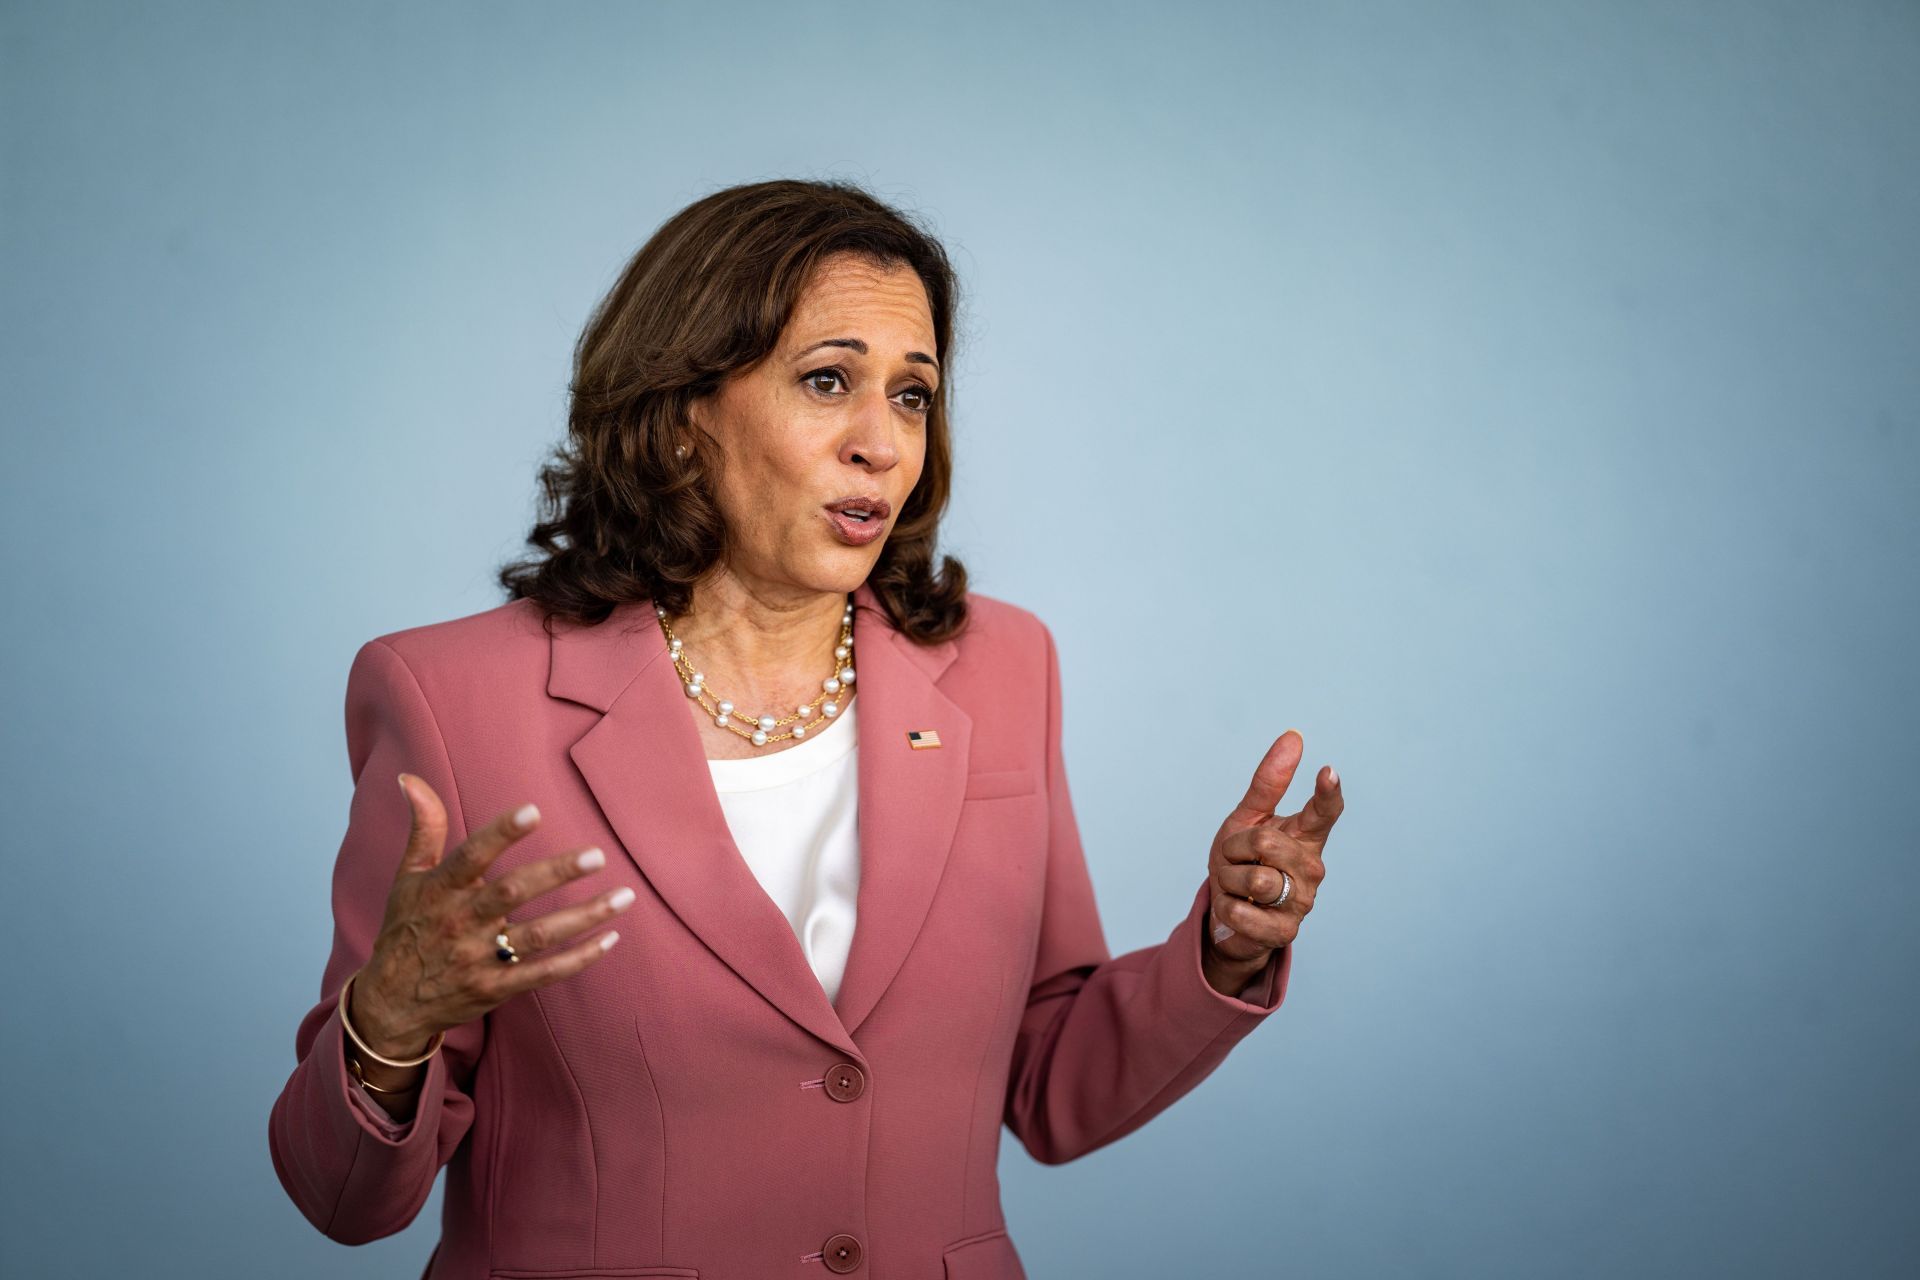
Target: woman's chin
838, 574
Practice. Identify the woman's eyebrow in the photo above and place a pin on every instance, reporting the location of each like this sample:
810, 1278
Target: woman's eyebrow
913, 357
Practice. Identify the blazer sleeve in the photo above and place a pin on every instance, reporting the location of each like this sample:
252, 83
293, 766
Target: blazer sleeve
1106, 1043
354, 1176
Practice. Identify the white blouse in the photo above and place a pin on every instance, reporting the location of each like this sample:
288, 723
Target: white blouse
794, 815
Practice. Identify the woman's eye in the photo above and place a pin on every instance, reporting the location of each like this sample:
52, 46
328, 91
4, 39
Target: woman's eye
924, 404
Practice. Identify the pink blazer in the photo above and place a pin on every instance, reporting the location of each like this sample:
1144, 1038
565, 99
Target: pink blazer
692, 1104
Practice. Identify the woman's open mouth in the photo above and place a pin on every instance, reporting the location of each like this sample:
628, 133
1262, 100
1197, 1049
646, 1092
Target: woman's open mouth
857, 521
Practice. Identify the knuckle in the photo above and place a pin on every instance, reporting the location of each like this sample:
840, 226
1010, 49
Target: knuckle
489, 984
492, 901
469, 952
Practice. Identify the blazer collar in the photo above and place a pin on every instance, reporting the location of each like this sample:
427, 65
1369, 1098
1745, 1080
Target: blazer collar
646, 766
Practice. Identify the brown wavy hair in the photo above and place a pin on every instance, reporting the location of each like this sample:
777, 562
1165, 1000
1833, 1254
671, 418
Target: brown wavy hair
621, 517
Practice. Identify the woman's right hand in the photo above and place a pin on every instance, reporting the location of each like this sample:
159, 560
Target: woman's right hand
433, 966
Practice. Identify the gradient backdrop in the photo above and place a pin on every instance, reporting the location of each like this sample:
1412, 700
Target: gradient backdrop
1517, 398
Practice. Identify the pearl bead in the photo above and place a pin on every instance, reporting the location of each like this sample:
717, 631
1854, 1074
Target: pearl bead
767, 722
846, 675
726, 708
674, 644
721, 719
799, 731
693, 690
803, 711
759, 737
659, 612
840, 651
829, 708
830, 685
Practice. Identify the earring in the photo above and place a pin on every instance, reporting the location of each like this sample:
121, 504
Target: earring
679, 451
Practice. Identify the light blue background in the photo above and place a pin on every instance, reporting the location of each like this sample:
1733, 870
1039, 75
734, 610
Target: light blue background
1518, 399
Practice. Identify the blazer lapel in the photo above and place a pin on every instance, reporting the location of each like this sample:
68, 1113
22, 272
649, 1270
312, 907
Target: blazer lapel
645, 763
909, 798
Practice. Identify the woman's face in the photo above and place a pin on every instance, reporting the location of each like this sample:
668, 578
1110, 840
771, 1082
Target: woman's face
837, 411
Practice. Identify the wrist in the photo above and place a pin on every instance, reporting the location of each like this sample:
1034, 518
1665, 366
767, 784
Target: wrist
1229, 975
382, 1035
1234, 981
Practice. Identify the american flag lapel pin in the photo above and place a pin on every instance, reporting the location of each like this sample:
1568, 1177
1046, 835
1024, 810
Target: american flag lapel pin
918, 738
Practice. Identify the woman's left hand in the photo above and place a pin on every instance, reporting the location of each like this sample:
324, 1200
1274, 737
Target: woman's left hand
1255, 844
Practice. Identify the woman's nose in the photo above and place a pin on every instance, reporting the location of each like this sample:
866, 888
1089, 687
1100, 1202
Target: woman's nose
871, 436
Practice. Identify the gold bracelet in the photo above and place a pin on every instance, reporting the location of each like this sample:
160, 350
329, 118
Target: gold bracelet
433, 1045
359, 1073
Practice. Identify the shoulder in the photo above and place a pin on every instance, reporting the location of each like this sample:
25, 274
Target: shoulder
486, 646
1000, 626
995, 620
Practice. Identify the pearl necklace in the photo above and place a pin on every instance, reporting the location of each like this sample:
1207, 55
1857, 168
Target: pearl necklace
763, 726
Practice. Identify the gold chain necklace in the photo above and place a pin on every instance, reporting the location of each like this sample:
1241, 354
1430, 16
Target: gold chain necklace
762, 727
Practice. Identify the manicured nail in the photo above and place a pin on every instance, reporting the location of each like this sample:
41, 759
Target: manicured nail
1332, 777
621, 897
1221, 933
608, 938
591, 860
403, 787
525, 816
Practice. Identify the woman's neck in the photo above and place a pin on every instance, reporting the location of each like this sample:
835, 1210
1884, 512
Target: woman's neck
764, 651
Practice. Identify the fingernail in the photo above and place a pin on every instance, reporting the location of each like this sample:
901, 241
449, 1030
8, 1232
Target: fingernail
608, 938
403, 787
591, 860
525, 816
1333, 776
1221, 933
621, 897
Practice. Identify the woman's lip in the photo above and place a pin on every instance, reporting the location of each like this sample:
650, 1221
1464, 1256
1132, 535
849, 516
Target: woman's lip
853, 532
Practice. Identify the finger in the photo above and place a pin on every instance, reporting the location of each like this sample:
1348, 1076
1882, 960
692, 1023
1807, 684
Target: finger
1268, 843
427, 838
1271, 779
1327, 803
470, 860
555, 927
551, 967
1259, 884
1269, 927
503, 893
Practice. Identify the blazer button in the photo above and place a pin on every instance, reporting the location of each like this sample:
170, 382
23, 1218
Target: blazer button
840, 1253
845, 1082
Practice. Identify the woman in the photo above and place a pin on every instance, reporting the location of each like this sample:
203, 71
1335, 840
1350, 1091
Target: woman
820, 789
